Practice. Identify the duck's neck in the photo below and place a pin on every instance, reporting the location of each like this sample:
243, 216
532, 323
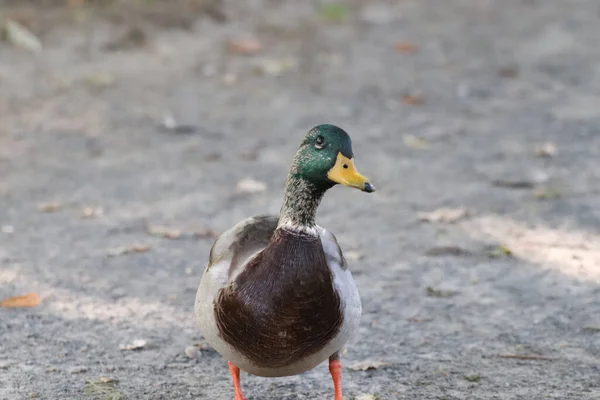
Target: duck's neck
300, 204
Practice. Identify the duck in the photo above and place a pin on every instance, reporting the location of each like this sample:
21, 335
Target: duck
277, 297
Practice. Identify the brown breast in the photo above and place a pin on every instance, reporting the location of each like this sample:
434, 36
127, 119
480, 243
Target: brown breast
283, 306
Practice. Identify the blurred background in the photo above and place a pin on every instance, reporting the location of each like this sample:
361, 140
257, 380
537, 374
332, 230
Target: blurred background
132, 132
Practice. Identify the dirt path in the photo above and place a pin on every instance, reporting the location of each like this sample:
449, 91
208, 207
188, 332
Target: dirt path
453, 124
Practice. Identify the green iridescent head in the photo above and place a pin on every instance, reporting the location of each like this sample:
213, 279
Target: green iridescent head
325, 158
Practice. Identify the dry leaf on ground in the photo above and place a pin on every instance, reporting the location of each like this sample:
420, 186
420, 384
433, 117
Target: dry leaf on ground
433, 292
135, 345
136, 248
444, 215
206, 233
164, 232
413, 99
20, 36
25, 301
100, 80
353, 255
405, 47
368, 365
49, 207
245, 46
251, 186
415, 142
472, 378
104, 388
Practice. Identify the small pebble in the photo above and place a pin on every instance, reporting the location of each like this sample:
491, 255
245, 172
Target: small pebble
192, 352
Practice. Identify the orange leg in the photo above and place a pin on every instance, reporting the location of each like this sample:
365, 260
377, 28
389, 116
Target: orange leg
235, 374
335, 367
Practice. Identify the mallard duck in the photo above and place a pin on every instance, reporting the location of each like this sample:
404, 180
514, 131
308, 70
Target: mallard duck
277, 297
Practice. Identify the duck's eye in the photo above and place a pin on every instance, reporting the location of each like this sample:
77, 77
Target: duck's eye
320, 142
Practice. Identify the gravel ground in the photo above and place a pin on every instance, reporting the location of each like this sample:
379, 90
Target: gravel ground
452, 123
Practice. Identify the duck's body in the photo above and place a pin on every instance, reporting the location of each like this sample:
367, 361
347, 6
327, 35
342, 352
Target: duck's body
276, 297
273, 315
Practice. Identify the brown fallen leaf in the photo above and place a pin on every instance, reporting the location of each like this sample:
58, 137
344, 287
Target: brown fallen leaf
405, 47
415, 142
26, 301
413, 99
368, 365
135, 345
447, 251
49, 207
444, 215
532, 357
136, 248
433, 292
164, 232
244, 46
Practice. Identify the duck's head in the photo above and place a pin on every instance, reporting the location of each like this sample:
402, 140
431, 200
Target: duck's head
325, 158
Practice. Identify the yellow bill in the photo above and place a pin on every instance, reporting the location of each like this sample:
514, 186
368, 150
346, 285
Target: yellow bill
345, 172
